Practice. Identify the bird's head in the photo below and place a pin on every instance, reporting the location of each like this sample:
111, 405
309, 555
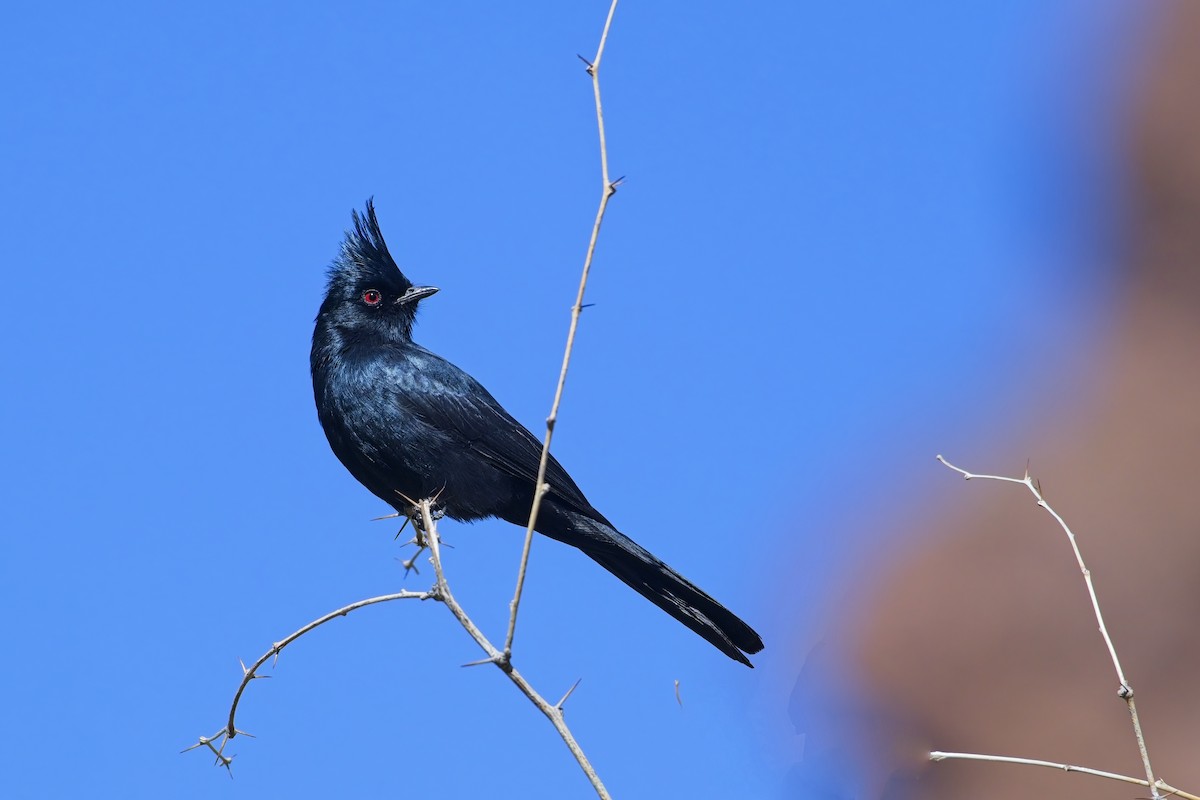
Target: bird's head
367, 291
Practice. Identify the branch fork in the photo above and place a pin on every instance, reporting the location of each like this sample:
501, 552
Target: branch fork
1124, 691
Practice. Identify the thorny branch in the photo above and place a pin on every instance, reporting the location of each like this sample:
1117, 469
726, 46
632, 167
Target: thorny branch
1124, 691
607, 190
427, 538
553, 711
217, 742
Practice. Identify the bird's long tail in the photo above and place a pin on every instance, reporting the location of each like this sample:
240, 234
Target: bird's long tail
648, 576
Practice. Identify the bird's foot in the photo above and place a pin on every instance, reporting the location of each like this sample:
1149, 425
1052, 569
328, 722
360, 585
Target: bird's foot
417, 516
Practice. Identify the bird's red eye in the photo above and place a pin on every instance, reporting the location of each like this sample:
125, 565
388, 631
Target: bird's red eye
372, 297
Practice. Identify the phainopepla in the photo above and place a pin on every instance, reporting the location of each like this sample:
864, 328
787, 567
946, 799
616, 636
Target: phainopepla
408, 423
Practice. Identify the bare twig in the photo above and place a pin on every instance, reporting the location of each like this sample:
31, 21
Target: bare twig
937, 755
608, 189
553, 711
1125, 690
216, 743
430, 540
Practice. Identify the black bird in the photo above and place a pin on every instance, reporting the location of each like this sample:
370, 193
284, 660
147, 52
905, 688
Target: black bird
409, 424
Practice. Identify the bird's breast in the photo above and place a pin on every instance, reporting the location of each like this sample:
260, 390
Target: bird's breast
372, 432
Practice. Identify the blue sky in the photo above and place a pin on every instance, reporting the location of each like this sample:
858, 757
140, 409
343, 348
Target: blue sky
847, 236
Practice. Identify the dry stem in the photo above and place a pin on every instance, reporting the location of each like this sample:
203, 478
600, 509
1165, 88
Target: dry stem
937, 755
216, 743
427, 538
553, 711
608, 188
1125, 690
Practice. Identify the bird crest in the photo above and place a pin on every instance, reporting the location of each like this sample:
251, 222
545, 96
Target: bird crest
364, 259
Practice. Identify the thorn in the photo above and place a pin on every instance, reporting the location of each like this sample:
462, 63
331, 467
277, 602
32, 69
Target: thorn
204, 740
586, 305
243, 733
245, 671
590, 68
393, 515
489, 660
559, 704
678, 699
403, 525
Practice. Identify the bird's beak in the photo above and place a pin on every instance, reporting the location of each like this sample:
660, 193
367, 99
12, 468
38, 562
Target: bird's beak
417, 293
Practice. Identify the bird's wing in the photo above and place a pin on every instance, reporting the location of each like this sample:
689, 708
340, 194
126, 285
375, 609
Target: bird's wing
460, 407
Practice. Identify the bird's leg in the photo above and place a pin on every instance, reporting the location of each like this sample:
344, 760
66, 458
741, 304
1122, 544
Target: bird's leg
436, 513
436, 510
417, 518
414, 513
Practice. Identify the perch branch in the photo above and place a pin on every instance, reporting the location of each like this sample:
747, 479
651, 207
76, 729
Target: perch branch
553, 711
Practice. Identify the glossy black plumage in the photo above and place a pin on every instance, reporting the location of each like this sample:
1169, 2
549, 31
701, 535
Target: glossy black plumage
407, 423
